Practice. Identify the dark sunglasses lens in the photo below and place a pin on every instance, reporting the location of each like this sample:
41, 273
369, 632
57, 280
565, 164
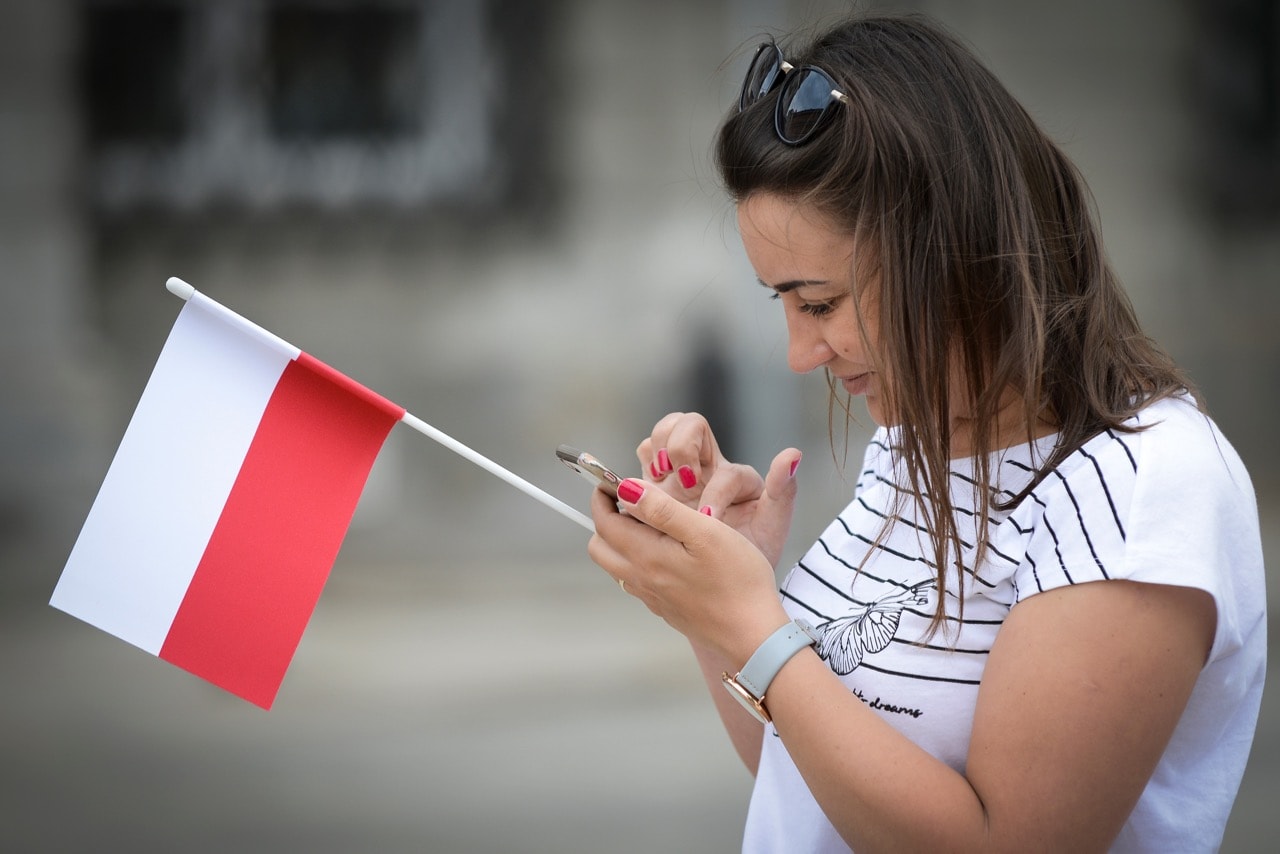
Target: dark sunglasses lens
805, 102
762, 76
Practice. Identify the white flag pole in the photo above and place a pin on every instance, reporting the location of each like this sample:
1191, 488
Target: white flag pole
184, 290
493, 468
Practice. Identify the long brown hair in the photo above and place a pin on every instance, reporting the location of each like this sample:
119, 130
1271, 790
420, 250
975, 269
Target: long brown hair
985, 250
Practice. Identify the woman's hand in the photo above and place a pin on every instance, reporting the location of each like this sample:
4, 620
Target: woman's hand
681, 456
708, 581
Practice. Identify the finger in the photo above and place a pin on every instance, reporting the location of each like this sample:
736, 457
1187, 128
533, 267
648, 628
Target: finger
622, 531
617, 567
603, 510
661, 512
665, 425
692, 453
660, 465
605, 556
601, 548
652, 452
621, 536
691, 443
780, 483
776, 507
732, 484
681, 443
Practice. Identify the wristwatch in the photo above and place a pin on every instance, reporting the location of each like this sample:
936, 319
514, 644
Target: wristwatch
753, 679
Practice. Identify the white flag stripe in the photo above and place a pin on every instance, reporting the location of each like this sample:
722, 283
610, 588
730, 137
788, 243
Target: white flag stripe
248, 327
170, 478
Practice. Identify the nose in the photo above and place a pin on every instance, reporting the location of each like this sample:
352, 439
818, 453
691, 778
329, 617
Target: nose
807, 350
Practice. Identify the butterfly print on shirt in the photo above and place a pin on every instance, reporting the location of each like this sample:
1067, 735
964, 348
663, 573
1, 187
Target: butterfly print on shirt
847, 640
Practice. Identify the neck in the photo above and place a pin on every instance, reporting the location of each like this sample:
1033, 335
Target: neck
1012, 426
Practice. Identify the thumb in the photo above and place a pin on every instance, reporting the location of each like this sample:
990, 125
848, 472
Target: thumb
780, 487
777, 503
659, 510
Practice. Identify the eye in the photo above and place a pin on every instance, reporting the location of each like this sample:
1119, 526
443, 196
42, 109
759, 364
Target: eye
813, 309
818, 309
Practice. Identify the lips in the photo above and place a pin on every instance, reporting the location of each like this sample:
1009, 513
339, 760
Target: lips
857, 384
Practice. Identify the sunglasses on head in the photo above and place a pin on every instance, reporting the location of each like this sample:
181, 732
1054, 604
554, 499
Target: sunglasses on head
807, 99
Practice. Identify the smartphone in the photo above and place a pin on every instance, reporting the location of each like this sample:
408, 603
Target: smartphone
594, 471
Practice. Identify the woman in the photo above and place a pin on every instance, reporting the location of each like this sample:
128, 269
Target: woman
1040, 623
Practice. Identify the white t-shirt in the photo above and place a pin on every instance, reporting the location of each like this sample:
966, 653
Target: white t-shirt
1171, 505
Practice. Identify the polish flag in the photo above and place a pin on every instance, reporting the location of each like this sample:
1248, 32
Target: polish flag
226, 503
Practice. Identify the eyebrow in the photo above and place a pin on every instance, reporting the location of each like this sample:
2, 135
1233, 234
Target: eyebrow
784, 287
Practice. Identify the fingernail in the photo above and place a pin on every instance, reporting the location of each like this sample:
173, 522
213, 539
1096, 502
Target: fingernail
687, 478
653, 469
630, 491
795, 464
664, 461
705, 510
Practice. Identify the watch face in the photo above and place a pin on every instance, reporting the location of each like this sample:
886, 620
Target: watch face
744, 698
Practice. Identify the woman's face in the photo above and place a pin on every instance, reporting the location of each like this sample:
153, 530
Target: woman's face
809, 265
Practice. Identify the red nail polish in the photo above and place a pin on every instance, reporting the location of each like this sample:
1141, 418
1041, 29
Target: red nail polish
653, 469
630, 491
664, 461
705, 510
687, 478
795, 465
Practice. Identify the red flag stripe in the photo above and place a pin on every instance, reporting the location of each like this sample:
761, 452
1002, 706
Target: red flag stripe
266, 563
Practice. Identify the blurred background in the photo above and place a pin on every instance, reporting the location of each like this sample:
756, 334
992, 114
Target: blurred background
502, 215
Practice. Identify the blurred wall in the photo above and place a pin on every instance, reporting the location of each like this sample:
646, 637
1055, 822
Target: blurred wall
569, 309
50, 369
567, 275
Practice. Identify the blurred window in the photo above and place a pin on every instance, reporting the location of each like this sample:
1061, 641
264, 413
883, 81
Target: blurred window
133, 59
344, 72
191, 105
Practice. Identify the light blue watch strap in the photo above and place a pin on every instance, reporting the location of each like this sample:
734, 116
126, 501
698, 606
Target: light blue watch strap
776, 651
